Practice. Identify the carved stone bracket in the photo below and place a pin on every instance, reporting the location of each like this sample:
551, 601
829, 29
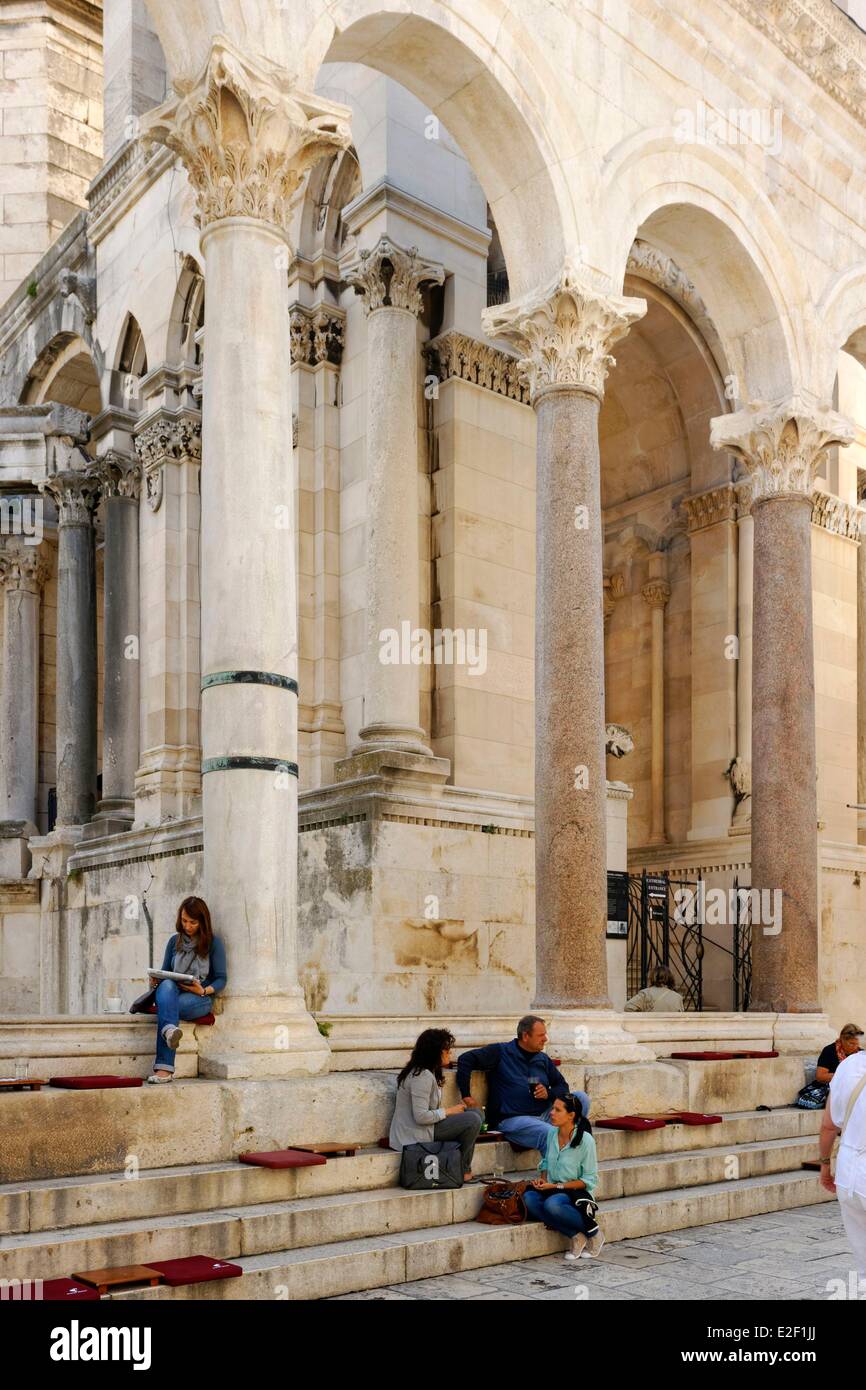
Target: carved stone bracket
614, 589
708, 508
390, 277
564, 334
79, 287
317, 335
246, 138
781, 444
834, 515
167, 439
456, 355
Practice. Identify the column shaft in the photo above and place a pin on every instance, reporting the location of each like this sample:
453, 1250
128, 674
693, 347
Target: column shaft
121, 664
20, 568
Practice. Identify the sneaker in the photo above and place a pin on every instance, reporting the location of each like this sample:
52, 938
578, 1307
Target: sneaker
172, 1036
593, 1246
577, 1245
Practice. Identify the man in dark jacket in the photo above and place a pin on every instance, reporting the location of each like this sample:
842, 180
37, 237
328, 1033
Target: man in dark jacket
522, 1084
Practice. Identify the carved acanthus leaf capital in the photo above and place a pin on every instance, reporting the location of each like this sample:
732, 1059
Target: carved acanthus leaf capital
781, 444
117, 474
390, 277
246, 138
22, 567
656, 593
167, 439
317, 335
565, 333
75, 493
707, 508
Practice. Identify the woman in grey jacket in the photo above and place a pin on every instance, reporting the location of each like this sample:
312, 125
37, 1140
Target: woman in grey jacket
419, 1115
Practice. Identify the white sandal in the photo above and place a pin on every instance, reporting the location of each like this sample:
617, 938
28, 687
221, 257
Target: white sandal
154, 1080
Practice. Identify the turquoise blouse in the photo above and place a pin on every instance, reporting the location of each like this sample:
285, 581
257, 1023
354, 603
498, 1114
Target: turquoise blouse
569, 1164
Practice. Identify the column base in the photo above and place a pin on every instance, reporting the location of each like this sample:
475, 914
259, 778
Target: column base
15, 855
406, 738
168, 785
393, 765
113, 817
258, 1038
591, 1035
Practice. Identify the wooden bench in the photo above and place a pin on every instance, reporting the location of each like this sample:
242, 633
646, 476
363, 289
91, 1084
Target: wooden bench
329, 1150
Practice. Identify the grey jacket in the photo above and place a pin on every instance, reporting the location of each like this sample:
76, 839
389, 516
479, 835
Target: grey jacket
417, 1110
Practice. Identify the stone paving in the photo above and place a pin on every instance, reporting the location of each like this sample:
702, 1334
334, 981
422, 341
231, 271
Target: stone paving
783, 1255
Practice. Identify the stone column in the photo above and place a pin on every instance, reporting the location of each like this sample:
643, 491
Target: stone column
119, 478
76, 493
745, 589
390, 279
781, 446
861, 677
247, 142
22, 574
656, 593
565, 335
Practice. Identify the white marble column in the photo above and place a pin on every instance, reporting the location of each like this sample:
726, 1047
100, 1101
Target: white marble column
565, 335
782, 446
75, 493
247, 143
656, 593
389, 279
22, 574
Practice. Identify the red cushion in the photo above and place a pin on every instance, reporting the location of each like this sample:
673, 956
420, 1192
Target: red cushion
705, 1056
205, 1019
58, 1290
632, 1122
692, 1117
195, 1269
94, 1083
283, 1158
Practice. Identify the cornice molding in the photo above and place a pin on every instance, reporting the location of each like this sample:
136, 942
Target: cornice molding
456, 356
821, 40
838, 517
708, 508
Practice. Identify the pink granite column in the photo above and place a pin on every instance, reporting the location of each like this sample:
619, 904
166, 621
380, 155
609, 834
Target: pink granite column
781, 446
565, 335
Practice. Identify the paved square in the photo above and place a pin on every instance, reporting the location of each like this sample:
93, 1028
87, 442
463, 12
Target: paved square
798, 1254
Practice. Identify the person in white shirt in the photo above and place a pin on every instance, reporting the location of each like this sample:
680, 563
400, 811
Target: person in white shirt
846, 1115
660, 996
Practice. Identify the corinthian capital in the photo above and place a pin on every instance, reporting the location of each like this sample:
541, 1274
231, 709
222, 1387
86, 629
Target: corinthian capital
117, 475
76, 495
22, 568
781, 443
246, 138
565, 332
389, 277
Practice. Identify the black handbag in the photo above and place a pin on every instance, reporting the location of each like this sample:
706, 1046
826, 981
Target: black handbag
432, 1166
144, 1002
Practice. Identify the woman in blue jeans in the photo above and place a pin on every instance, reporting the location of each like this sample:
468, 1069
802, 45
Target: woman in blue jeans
193, 950
562, 1197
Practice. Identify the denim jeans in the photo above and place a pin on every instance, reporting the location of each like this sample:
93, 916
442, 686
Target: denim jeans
556, 1209
172, 1005
531, 1131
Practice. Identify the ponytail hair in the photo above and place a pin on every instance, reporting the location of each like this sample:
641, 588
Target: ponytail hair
581, 1123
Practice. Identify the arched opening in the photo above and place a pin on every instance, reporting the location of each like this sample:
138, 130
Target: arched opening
64, 372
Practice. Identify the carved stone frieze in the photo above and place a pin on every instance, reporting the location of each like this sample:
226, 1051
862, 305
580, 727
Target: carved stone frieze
781, 444
564, 334
456, 355
834, 515
387, 276
246, 138
708, 508
821, 40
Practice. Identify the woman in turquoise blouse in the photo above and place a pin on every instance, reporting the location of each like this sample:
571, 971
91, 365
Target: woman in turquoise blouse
562, 1197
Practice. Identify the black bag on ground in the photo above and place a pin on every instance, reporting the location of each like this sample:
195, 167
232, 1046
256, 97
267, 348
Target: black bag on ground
814, 1096
432, 1166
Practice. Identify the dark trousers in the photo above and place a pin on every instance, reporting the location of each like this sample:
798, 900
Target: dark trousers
464, 1129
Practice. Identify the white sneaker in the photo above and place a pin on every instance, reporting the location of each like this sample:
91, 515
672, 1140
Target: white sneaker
593, 1246
577, 1244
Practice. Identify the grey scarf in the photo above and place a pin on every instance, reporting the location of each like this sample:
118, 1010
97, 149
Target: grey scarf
186, 962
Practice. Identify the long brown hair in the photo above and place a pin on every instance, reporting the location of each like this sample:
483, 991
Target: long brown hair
198, 910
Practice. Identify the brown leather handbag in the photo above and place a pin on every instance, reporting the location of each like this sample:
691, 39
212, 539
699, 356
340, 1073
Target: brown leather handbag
503, 1204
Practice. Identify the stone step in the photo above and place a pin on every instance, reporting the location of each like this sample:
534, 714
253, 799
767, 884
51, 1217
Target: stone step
56, 1203
256, 1226
350, 1266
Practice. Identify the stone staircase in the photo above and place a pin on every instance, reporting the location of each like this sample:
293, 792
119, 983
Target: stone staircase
345, 1226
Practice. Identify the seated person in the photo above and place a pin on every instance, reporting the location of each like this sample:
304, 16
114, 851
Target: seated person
659, 996
847, 1043
569, 1175
193, 950
419, 1115
523, 1084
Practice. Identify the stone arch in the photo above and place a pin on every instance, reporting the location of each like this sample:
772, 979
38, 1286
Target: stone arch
64, 371
697, 204
485, 77
841, 315
129, 364
331, 185
184, 345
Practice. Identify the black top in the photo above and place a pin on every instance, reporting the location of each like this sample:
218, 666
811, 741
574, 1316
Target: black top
829, 1057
